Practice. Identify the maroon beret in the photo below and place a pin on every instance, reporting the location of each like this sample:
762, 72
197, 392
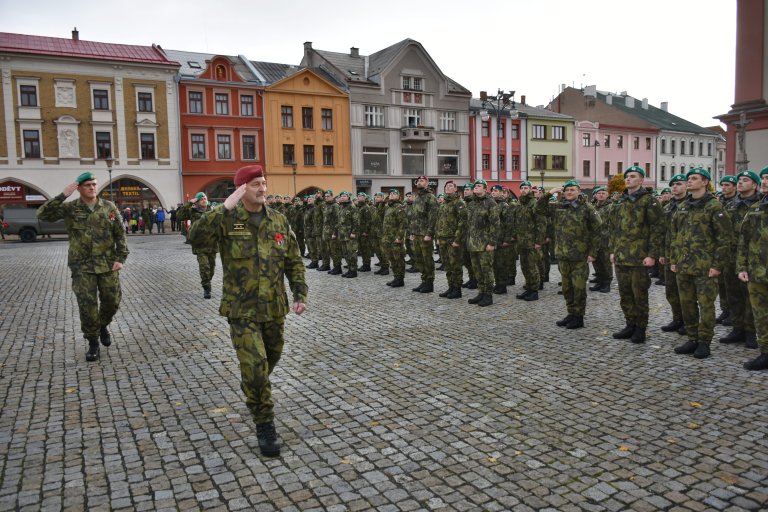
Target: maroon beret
247, 173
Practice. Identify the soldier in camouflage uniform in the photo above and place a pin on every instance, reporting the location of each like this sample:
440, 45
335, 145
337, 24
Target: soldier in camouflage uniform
637, 235
323, 247
365, 240
530, 232
347, 231
380, 206
206, 256
297, 223
678, 187
309, 232
423, 222
451, 221
393, 232
97, 251
330, 235
504, 244
577, 232
258, 251
511, 261
700, 235
469, 201
410, 197
728, 193
482, 237
736, 290
752, 266
602, 263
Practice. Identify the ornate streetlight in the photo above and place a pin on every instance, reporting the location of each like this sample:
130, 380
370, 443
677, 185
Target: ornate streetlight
597, 145
497, 105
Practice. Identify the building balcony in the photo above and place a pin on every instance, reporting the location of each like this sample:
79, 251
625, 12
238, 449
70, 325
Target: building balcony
417, 134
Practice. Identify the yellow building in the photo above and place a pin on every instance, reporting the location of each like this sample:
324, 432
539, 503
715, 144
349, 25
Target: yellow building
549, 150
307, 135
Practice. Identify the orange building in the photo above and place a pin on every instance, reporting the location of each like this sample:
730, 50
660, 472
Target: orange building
306, 119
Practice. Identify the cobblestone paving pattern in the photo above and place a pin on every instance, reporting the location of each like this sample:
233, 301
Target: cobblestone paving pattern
386, 400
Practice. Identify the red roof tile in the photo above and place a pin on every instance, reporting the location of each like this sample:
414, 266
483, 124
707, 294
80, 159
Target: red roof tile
56, 46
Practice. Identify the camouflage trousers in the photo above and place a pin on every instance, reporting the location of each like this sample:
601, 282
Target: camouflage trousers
575, 275
334, 250
324, 250
603, 266
633, 293
312, 248
723, 293
697, 299
348, 249
365, 249
422, 254
482, 262
381, 253
529, 265
544, 263
467, 259
409, 246
258, 346
512, 262
451, 257
672, 293
206, 261
501, 264
758, 296
395, 254
301, 241
98, 297
737, 293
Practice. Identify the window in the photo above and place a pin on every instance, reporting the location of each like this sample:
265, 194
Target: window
100, 99
539, 161
412, 117
145, 105
501, 162
682, 147
701, 149
413, 98
636, 142
309, 155
620, 141
249, 147
246, 105
558, 162
539, 131
195, 102
709, 149
374, 116
447, 162
607, 141
327, 155
306, 118
287, 115
671, 170
198, 146
288, 156
515, 128
500, 130
586, 140
672, 147
648, 143
663, 172
448, 121
558, 133
28, 95
607, 169
485, 128
326, 119
586, 168
413, 161
222, 103
31, 144
663, 145
103, 144
413, 83
619, 167
515, 162
486, 162
224, 143
147, 145
375, 160
648, 169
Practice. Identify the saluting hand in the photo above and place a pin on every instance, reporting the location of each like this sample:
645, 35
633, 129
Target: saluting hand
231, 202
69, 189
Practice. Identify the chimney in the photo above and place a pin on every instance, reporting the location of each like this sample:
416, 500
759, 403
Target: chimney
645, 103
354, 52
590, 91
629, 101
609, 99
562, 87
522, 99
623, 93
308, 54
75, 35
665, 106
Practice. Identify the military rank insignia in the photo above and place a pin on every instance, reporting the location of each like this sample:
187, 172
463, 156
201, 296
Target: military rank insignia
111, 216
279, 238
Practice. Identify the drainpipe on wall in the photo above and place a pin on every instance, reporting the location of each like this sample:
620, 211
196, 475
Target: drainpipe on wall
177, 79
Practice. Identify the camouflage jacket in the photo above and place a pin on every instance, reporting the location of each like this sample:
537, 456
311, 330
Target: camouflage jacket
670, 208
737, 209
192, 213
395, 222
753, 243
700, 234
604, 210
295, 216
377, 218
451, 220
348, 222
530, 229
308, 220
424, 214
482, 224
318, 217
577, 228
330, 220
637, 228
469, 203
506, 223
255, 261
96, 238
365, 219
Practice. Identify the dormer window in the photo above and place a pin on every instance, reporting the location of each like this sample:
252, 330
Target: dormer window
412, 83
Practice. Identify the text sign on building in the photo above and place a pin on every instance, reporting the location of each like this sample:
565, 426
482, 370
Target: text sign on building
431, 183
11, 192
363, 183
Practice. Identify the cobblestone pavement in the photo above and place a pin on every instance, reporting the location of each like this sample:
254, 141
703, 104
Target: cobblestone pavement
386, 399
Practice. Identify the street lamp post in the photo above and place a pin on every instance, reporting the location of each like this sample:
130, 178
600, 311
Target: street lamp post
293, 166
502, 102
109, 161
541, 173
597, 145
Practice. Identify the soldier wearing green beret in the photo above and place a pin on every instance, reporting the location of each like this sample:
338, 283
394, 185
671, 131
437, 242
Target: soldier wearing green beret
323, 249
348, 233
330, 234
206, 256
530, 233
365, 228
310, 238
380, 207
602, 263
423, 222
451, 225
393, 235
725, 195
97, 251
505, 242
700, 240
482, 238
637, 228
678, 186
469, 201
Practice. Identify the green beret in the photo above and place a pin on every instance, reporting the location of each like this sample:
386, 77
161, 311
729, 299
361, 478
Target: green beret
700, 171
270, 196
763, 172
393, 190
408, 194
526, 184
635, 168
733, 179
199, 196
381, 194
328, 192
440, 195
747, 174
468, 185
677, 177
599, 189
362, 194
553, 199
481, 182
666, 190
616, 194
86, 176
571, 183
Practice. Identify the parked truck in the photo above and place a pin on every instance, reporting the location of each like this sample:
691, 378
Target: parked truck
24, 223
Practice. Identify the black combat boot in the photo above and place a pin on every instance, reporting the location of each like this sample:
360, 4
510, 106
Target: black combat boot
702, 351
722, 316
325, 267
477, 298
750, 340
455, 294
606, 287
445, 293
576, 323
427, 287
758, 363
364, 268
398, 283
335, 271
596, 287
511, 281
689, 347
500, 289
541, 285
661, 282
104, 337
735, 336
351, 274
411, 270
312, 264
564, 321
441, 267
593, 281
625, 333
471, 284
682, 331
206, 292
382, 272
672, 326
269, 442
728, 321
486, 300
638, 336
534, 295
93, 350
418, 288
524, 294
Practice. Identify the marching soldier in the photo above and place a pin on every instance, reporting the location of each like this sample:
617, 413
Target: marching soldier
451, 221
347, 232
206, 256
393, 237
678, 188
423, 220
530, 232
482, 237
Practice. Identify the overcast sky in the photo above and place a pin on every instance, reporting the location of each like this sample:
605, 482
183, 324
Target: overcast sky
680, 51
